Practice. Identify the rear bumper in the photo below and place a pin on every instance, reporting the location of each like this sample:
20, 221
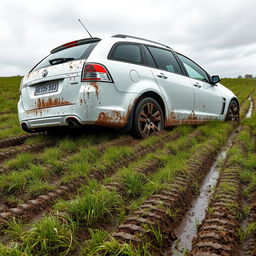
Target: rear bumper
102, 105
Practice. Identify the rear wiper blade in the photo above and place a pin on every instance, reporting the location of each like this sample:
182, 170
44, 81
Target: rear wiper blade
59, 60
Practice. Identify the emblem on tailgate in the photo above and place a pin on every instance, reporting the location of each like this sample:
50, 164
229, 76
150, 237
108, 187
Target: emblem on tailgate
44, 73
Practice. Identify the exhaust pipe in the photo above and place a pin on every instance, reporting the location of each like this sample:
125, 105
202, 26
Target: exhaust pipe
25, 127
72, 122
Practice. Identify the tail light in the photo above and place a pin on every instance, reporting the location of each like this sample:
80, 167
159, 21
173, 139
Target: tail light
95, 72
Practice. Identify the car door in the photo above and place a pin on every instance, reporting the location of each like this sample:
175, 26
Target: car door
176, 88
208, 101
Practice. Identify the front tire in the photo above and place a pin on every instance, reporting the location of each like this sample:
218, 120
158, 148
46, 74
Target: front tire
233, 113
148, 118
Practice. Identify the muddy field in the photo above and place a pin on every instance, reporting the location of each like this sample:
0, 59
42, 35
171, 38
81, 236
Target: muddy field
189, 191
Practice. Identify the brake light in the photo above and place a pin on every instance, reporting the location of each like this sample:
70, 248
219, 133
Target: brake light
70, 44
95, 72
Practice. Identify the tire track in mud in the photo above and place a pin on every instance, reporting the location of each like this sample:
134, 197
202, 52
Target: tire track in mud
151, 166
8, 112
218, 233
25, 148
250, 245
156, 212
101, 148
16, 140
32, 207
186, 230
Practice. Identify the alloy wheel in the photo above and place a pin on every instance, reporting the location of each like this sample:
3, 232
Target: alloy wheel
150, 119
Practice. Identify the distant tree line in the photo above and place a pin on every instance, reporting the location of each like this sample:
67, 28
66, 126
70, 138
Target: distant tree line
248, 76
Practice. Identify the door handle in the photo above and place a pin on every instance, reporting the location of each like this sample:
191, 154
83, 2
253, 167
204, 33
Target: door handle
197, 85
161, 75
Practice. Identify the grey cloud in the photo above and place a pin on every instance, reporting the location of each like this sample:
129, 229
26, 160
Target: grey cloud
218, 34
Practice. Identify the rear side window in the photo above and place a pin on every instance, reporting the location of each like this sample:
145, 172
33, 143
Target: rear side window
127, 53
165, 60
149, 59
75, 53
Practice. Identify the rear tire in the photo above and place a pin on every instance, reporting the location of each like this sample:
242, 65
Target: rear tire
148, 119
233, 113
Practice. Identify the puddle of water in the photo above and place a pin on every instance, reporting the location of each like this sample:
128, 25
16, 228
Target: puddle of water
187, 229
249, 113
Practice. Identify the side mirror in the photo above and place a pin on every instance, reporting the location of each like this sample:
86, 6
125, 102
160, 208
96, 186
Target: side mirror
215, 79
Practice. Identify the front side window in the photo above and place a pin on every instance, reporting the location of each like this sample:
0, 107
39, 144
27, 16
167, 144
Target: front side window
194, 71
165, 60
127, 52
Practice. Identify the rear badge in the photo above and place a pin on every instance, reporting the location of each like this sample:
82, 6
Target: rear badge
45, 73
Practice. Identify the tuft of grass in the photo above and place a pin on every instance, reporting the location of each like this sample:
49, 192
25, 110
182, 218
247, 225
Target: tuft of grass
89, 155
21, 161
156, 234
14, 183
246, 176
226, 187
17, 182
68, 145
14, 228
94, 203
50, 155
38, 187
132, 182
11, 251
250, 230
250, 162
114, 248
57, 168
97, 237
52, 235
112, 154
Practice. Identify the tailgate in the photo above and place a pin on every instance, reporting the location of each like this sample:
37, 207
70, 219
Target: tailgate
52, 86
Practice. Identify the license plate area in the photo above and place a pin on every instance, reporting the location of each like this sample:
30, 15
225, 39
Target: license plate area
46, 88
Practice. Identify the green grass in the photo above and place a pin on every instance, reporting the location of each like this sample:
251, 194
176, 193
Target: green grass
14, 228
94, 203
132, 182
56, 235
9, 91
22, 161
18, 182
114, 248
250, 230
97, 237
11, 251
52, 235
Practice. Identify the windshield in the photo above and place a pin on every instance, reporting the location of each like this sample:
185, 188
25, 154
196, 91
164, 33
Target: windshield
74, 53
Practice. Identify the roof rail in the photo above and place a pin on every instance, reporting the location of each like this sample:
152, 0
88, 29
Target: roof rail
134, 37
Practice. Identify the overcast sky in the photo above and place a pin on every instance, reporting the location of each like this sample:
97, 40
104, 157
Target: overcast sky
218, 34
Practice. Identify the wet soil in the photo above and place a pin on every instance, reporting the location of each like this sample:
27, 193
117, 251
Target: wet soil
187, 229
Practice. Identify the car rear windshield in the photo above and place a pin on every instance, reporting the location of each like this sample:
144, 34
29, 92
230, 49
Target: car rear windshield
74, 53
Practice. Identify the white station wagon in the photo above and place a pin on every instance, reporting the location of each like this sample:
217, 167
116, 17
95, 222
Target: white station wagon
124, 82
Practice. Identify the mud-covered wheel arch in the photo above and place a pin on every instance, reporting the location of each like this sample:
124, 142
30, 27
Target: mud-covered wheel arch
148, 118
149, 94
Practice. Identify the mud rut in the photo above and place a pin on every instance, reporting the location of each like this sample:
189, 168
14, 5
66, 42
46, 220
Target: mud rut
32, 207
217, 235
